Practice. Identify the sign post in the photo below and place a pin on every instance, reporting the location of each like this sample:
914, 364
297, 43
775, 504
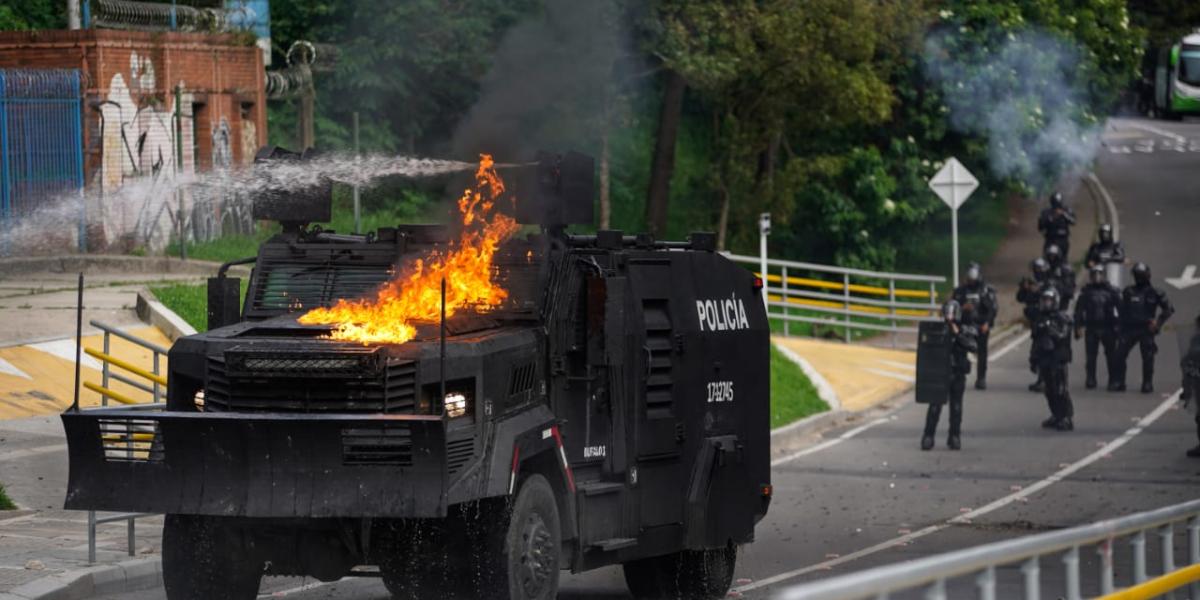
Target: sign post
954, 184
764, 229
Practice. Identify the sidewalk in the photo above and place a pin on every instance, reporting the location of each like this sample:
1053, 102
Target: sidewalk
43, 548
860, 376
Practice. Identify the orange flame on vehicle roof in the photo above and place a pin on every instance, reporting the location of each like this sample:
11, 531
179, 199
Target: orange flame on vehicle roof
415, 296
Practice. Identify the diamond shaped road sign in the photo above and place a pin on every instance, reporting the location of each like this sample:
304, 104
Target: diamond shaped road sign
953, 184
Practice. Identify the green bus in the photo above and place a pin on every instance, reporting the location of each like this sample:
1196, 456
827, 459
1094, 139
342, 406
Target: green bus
1176, 79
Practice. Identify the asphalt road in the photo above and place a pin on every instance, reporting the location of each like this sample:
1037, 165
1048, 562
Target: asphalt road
874, 498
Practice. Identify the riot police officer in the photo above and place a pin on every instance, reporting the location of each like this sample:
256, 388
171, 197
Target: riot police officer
1097, 312
978, 301
1055, 224
1105, 250
1029, 293
963, 342
1061, 275
1144, 310
1190, 365
1052, 348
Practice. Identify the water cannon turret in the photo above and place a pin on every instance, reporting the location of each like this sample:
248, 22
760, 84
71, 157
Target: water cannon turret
557, 190
293, 206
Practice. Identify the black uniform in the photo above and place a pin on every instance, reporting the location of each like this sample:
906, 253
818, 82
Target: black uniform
1062, 277
1028, 293
960, 365
1190, 365
1102, 253
978, 300
1144, 310
1055, 226
1052, 351
1097, 313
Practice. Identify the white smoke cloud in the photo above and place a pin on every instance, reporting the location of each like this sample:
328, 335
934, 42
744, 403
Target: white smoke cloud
1024, 97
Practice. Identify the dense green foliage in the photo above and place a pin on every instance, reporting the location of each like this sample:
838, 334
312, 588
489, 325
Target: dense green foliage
189, 301
830, 114
33, 14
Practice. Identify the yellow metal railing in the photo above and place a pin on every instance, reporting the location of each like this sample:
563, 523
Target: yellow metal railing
152, 381
1158, 586
853, 287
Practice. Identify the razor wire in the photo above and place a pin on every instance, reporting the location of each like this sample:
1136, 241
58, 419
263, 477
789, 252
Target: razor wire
155, 16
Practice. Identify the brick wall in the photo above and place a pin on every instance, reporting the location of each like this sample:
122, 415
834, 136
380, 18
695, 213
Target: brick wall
129, 124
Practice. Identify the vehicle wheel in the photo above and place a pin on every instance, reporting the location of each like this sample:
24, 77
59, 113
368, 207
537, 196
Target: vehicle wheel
519, 559
685, 575
205, 559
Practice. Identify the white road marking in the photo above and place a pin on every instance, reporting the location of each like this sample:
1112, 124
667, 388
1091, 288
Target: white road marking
8, 368
301, 588
895, 363
833, 442
905, 377
65, 349
1024, 492
1114, 218
1186, 280
1158, 131
997, 355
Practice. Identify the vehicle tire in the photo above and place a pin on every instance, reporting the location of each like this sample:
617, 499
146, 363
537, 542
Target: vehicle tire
204, 558
684, 575
520, 557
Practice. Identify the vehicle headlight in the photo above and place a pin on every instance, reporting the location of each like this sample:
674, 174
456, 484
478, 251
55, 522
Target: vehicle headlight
455, 404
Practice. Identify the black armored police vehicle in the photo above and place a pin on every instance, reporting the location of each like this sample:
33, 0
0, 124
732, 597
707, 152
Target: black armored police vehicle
612, 410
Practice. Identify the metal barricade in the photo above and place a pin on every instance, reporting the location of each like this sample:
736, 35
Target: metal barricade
154, 385
847, 298
931, 574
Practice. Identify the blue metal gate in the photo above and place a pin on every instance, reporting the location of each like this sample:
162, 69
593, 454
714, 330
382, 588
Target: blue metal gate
41, 144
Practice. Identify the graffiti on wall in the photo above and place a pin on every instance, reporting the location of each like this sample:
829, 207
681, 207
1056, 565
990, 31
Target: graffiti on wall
146, 198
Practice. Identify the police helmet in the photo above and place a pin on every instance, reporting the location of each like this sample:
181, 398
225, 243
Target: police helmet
1039, 265
1096, 274
1053, 254
1056, 200
1106, 233
1141, 273
974, 273
952, 311
1049, 299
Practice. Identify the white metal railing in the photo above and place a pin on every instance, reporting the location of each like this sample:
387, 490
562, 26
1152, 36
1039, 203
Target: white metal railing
846, 298
155, 386
932, 574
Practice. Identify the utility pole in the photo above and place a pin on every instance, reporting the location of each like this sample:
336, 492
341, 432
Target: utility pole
73, 19
307, 132
179, 170
357, 201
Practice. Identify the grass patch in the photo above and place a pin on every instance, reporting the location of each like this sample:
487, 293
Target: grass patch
6, 503
189, 301
793, 396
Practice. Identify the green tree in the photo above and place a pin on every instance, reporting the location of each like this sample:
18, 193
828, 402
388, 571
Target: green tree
1165, 21
33, 14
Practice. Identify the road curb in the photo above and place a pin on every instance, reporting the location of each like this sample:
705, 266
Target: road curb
104, 262
123, 577
150, 310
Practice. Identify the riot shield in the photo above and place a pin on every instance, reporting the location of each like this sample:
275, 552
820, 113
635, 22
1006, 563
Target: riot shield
933, 363
1115, 273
